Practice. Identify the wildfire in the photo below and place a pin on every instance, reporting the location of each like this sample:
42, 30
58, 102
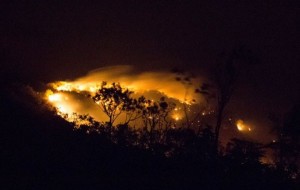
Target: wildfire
163, 82
54, 97
71, 96
60, 101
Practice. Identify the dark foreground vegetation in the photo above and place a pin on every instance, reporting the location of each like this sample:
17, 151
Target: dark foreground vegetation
40, 150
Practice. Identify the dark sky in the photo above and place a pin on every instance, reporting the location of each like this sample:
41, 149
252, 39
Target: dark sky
53, 40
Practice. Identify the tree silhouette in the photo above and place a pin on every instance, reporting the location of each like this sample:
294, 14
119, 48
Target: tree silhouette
186, 80
48, 146
244, 152
114, 100
223, 83
287, 145
155, 117
155, 114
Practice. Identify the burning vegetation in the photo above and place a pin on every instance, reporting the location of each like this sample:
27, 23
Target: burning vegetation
167, 116
145, 94
160, 125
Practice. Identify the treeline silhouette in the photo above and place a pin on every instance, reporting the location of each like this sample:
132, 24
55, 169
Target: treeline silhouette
40, 150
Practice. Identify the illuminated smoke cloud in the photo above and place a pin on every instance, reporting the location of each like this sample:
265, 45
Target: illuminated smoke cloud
163, 82
71, 96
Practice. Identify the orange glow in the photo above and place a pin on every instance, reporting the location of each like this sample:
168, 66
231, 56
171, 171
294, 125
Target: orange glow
54, 97
241, 126
64, 94
60, 101
163, 82
177, 117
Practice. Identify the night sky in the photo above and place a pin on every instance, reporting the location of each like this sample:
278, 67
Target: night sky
58, 40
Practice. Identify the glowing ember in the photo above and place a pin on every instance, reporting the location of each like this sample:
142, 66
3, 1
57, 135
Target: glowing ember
177, 117
241, 126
